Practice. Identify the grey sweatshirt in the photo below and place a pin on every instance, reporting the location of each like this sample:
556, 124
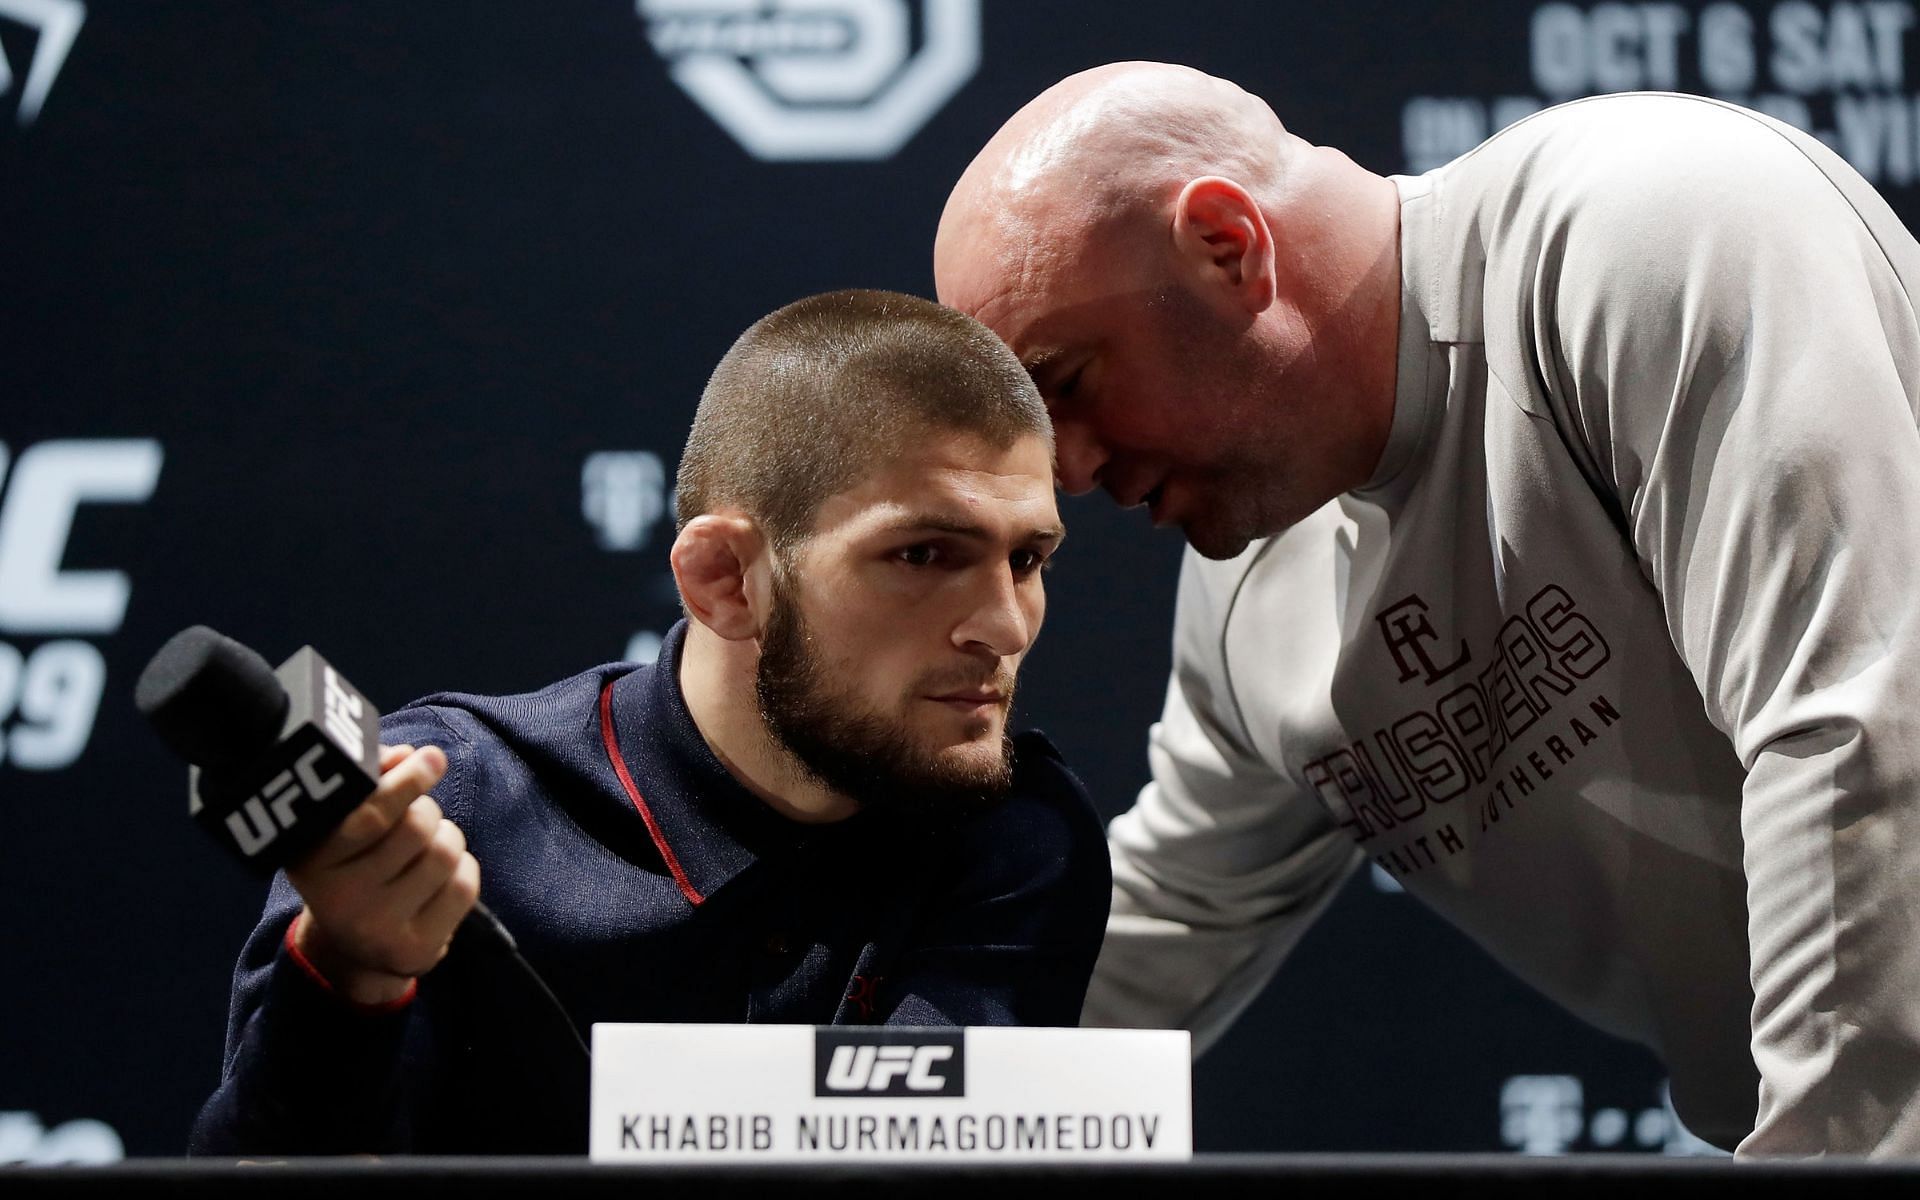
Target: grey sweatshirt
1615, 662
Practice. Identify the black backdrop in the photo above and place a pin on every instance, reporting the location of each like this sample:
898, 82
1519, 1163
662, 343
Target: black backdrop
378, 325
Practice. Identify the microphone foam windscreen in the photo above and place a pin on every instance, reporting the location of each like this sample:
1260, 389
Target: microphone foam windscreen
211, 699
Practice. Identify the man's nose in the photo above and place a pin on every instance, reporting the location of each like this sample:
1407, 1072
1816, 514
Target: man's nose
998, 621
1077, 457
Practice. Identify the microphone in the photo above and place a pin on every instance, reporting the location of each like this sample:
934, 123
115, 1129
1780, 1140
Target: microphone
277, 758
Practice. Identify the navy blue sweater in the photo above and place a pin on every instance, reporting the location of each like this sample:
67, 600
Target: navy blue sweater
646, 884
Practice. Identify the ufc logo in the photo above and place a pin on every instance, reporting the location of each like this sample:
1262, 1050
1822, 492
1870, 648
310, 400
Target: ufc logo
57, 22
818, 80
50, 483
873, 1068
873, 1063
256, 823
343, 712
51, 693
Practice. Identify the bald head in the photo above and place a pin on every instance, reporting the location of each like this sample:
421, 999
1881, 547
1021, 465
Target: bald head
1208, 303
1103, 146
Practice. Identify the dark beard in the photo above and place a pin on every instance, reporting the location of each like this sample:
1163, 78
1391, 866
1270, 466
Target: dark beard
861, 755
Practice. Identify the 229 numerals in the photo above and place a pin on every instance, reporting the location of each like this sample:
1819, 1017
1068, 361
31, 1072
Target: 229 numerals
48, 700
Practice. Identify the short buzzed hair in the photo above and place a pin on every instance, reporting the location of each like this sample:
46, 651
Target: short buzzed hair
815, 396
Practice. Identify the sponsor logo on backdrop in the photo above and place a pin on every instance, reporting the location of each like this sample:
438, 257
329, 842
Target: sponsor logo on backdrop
859, 1062
50, 689
624, 496
1836, 70
818, 80
57, 23
26, 1141
1547, 1115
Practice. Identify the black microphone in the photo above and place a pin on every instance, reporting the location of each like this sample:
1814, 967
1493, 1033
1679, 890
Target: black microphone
277, 758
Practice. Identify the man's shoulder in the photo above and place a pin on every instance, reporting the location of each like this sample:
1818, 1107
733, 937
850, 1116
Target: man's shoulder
1594, 213
1043, 833
509, 747
1047, 800
1634, 128
1041, 767
1662, 155
479, 719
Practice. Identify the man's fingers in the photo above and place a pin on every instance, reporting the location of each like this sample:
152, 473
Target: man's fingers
383, 861
399, 787
391, 755
447, 907
409, 893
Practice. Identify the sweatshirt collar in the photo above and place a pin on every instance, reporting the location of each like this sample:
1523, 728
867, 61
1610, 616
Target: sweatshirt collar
708, 827
1429, 315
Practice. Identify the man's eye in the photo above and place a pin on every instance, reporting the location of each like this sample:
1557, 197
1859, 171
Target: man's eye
1067, 387
1026, 561
918, 556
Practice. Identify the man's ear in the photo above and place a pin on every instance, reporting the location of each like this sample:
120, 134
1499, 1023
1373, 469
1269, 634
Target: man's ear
1224, 245
714, 560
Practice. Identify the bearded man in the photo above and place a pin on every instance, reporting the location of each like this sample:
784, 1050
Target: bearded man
809, 810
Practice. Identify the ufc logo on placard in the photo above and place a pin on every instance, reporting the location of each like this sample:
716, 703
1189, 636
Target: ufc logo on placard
873, 1069
850, 1062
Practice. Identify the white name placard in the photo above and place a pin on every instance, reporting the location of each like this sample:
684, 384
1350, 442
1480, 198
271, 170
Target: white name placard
801, 1093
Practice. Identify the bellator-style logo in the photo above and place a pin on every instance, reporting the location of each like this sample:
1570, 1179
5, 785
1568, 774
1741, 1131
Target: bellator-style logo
818, 79
1511, 715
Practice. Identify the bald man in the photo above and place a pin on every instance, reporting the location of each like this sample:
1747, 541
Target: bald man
1554, 519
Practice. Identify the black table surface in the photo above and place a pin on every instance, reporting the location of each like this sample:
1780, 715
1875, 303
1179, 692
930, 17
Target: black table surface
1211, 1175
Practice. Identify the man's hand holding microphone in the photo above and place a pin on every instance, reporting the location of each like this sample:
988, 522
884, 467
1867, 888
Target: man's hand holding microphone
287, 773
387, 889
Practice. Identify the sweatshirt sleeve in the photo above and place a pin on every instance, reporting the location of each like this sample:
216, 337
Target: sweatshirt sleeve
1222, 864
1731, 340
306, 1071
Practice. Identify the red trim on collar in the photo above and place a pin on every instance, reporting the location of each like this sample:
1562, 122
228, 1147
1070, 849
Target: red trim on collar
646, 814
